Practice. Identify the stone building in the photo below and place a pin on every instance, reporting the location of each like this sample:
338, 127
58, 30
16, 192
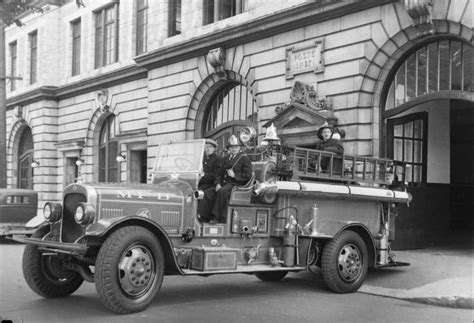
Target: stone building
117, 78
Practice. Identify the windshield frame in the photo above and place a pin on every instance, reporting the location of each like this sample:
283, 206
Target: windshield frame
168, 145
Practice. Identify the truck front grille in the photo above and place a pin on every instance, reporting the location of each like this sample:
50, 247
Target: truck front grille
70, 229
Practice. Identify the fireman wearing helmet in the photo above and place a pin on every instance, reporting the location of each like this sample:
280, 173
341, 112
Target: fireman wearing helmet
236, 171
330, 141
211, 166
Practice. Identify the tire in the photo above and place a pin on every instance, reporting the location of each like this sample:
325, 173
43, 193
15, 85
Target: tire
129, 270
271, 276
344, 263
44, 274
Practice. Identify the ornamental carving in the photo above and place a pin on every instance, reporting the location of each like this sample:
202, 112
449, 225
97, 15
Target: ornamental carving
306, 94
420, 13
102, 100
216, 58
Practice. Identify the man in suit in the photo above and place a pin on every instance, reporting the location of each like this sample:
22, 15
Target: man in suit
211, 166
236, 171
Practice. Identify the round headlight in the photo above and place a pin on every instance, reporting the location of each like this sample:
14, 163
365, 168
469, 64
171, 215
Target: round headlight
247, 135
52, 212
84, 214
47, 211
79, 215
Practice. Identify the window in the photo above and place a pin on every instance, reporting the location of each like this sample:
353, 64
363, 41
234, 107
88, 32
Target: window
108, 151
33, 56
174, 18
76, 47
13, 56
142, 23
215, 10
25, 158
71, 171
445, 65
407, 142
231, 108
106, 36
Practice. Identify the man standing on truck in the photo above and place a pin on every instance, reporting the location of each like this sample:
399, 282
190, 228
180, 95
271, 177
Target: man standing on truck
236, 171
330, 143
207, 184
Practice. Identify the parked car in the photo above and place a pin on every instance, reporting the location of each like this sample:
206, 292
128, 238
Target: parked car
17, 208
289, 217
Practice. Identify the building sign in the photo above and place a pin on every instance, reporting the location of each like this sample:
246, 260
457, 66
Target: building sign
305, 59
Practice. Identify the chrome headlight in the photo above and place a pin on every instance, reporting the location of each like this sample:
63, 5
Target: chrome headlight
247, 135
52, 212
84, 214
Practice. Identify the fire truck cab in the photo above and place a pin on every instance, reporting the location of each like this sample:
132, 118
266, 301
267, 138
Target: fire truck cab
291, 216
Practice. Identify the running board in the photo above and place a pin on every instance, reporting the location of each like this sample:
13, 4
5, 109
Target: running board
242, 269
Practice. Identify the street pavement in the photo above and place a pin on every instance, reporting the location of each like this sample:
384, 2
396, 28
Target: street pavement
301, 297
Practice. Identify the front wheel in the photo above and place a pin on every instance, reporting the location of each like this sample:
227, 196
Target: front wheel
129, 270
344, 262
45, 274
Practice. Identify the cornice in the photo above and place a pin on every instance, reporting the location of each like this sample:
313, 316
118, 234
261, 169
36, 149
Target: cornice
296, 17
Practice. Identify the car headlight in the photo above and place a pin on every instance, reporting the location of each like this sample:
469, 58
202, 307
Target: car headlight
52, 212
84, 214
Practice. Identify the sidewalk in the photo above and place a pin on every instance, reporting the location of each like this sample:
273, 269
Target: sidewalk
440, 276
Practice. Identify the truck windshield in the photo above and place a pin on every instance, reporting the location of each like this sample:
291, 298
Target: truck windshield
179, 157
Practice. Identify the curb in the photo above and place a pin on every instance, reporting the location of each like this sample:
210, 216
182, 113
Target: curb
446, 301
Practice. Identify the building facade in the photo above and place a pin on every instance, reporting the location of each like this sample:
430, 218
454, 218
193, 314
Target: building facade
103, 85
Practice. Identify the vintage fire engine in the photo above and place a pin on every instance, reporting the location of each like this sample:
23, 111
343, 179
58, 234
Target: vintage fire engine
293, 215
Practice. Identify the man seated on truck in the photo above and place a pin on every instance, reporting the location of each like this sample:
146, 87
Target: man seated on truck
329, 143
211, 166
236, 170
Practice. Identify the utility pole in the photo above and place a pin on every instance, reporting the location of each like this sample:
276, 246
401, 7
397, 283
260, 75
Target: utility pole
3, 109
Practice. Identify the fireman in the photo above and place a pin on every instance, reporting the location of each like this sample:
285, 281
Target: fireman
236, 171
330, 143
207, 184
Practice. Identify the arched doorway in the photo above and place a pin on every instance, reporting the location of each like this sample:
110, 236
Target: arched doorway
428, 119
108, 151
231, 108
25, 159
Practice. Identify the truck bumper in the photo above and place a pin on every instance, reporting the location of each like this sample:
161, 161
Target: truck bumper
53, 246
15, 229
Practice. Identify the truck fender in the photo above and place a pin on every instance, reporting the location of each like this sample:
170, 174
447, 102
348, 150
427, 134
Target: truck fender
104, 227
368, 238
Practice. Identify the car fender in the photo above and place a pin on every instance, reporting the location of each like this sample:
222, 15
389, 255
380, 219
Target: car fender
104, 227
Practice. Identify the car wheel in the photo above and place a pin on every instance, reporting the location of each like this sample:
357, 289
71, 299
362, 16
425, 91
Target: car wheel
344, 262
45, 275
129, 270
271, 276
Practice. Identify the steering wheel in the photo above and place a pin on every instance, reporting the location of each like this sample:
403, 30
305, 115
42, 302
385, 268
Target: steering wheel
183, 163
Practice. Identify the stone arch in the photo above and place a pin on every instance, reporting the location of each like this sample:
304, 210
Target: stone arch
204, 94
90, 152
12, 150
386, 61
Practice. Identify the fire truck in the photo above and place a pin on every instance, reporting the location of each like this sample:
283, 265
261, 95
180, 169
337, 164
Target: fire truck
293, 215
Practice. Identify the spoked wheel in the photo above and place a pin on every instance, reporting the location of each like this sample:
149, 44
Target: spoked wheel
129, 270
45, 274
271, 276
345, 262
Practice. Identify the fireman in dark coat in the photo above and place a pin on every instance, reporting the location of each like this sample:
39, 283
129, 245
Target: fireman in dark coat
330, 143
211, 166
236, 171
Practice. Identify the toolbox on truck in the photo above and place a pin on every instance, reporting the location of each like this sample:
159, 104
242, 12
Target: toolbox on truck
214, 258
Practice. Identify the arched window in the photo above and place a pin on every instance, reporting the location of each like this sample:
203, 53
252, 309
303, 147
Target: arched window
444, 65
25, 158
230, 109
108, 150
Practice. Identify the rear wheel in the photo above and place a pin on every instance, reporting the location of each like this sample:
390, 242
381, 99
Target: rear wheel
129, 270
271, 276
46, 275
344, 262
